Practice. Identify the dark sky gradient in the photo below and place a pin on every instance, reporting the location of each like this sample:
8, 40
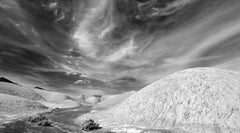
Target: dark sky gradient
113, 46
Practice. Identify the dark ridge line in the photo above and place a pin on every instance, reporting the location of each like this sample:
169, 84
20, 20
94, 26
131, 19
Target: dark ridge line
40, 88
2, 79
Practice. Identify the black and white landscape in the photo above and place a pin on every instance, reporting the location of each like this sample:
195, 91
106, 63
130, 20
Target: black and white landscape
129, 65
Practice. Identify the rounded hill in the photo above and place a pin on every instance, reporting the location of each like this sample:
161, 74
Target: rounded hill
200, 100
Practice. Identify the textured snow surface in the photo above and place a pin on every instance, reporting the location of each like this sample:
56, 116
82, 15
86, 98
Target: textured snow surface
198, 100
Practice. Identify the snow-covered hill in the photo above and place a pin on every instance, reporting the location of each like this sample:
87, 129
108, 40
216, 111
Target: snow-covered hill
198, 100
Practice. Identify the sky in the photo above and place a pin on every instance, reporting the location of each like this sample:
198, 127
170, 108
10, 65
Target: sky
114, 46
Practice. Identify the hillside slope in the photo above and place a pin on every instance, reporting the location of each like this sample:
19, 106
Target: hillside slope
56, 99
112, 101
17, 105
13, 107
47, 98
17, 90
199, 100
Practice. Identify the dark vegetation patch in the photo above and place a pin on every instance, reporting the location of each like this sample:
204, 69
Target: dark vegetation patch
40, 120
90, 125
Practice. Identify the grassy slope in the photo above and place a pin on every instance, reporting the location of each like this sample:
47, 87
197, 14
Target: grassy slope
14, 107
17, 90
17, 101
17, 105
